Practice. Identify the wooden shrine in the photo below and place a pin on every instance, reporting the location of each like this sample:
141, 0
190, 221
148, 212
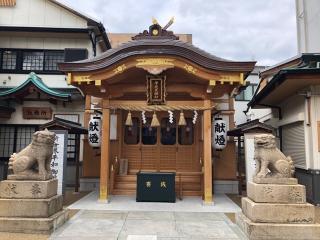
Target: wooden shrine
160, 94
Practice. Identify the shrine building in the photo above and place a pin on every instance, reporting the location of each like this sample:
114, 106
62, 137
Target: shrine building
158, 99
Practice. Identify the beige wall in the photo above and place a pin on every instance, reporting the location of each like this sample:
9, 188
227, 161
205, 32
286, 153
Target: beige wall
39, 13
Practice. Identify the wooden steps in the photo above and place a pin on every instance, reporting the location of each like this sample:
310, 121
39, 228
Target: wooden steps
126, 185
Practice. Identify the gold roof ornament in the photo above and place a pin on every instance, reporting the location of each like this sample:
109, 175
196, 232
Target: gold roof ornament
154, 21
171, 21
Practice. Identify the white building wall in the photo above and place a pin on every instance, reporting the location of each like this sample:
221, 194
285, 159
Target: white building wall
308, 22
39, 13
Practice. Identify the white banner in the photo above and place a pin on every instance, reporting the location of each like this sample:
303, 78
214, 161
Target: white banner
219, 134
59, 157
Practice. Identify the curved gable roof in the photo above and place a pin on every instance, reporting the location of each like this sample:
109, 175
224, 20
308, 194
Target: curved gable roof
33, 79
160, 45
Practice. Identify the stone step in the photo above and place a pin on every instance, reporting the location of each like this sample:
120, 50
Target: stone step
28, 189
35, 208
278, 212
275, 193
277, 231
33, 225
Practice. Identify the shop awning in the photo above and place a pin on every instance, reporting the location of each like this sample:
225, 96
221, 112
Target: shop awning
34, 84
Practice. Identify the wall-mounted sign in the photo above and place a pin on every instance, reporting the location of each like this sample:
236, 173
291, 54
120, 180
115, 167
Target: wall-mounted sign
94, 131
59, 156
37, 113
156, 90
219, 134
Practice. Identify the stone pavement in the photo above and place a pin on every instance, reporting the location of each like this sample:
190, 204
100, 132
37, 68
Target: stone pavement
142, 225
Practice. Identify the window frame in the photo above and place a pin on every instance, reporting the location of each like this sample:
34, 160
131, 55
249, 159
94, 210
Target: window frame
19, 61
251, 85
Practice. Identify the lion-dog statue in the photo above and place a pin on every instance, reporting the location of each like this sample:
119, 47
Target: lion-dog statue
33, 162
270, 161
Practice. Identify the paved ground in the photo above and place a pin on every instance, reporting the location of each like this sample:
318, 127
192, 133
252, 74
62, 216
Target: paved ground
141, 225
222, 203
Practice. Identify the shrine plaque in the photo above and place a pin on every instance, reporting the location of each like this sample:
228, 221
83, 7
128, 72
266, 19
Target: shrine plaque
156, 90
156, 187
37, 113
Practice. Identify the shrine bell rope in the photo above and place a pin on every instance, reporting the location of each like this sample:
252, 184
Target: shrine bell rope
157, 108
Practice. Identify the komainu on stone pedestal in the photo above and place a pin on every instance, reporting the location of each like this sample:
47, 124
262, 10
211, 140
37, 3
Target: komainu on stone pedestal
275, 206
28, 199
270, 161
33, 162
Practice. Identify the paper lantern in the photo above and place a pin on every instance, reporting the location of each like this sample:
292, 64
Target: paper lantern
220, 134
94, 132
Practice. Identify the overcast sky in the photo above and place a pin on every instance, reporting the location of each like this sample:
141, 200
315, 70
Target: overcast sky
261, 30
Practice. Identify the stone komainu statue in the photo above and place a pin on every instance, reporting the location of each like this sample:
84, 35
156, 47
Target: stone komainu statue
33, 162
270, 161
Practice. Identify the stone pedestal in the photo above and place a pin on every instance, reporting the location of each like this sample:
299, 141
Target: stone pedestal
277, 210
30, 207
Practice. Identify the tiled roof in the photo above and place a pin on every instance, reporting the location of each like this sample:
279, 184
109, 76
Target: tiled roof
7, 3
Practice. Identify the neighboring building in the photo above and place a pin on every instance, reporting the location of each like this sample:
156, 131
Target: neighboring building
242, 113
291, 90
308, 22
34, 36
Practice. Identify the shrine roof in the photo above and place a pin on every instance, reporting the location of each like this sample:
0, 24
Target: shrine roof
164, 43
34, 81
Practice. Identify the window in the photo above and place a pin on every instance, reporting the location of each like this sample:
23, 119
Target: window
186, 133
247, 94
32, 61
52, 59
9, 60
13, 138
132, 133
168, 132
25, 60
149, 134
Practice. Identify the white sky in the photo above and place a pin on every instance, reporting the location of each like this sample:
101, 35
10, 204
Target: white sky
261, 30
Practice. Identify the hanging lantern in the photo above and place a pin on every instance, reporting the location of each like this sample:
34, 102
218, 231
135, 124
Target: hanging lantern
94, 131
155, 122
182, 120
220, 134
129, 120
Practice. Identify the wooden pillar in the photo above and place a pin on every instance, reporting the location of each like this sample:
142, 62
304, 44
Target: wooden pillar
105, 152
207, 154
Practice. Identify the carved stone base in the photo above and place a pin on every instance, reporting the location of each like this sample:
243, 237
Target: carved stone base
277, 231
275, 193
33, 225
278, 212
28, 189
30, 207
270, 180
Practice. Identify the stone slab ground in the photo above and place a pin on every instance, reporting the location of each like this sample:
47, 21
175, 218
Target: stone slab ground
132, 225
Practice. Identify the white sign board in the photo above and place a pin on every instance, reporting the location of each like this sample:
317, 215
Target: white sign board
59, 156
249, 156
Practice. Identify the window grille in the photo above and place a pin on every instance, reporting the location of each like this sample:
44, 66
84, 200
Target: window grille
9, 60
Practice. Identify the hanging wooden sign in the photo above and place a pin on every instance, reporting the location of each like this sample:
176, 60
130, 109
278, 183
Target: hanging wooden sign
156, 90
37, 113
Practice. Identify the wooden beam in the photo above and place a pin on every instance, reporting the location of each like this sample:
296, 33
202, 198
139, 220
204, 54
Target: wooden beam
105, 152
207, 154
